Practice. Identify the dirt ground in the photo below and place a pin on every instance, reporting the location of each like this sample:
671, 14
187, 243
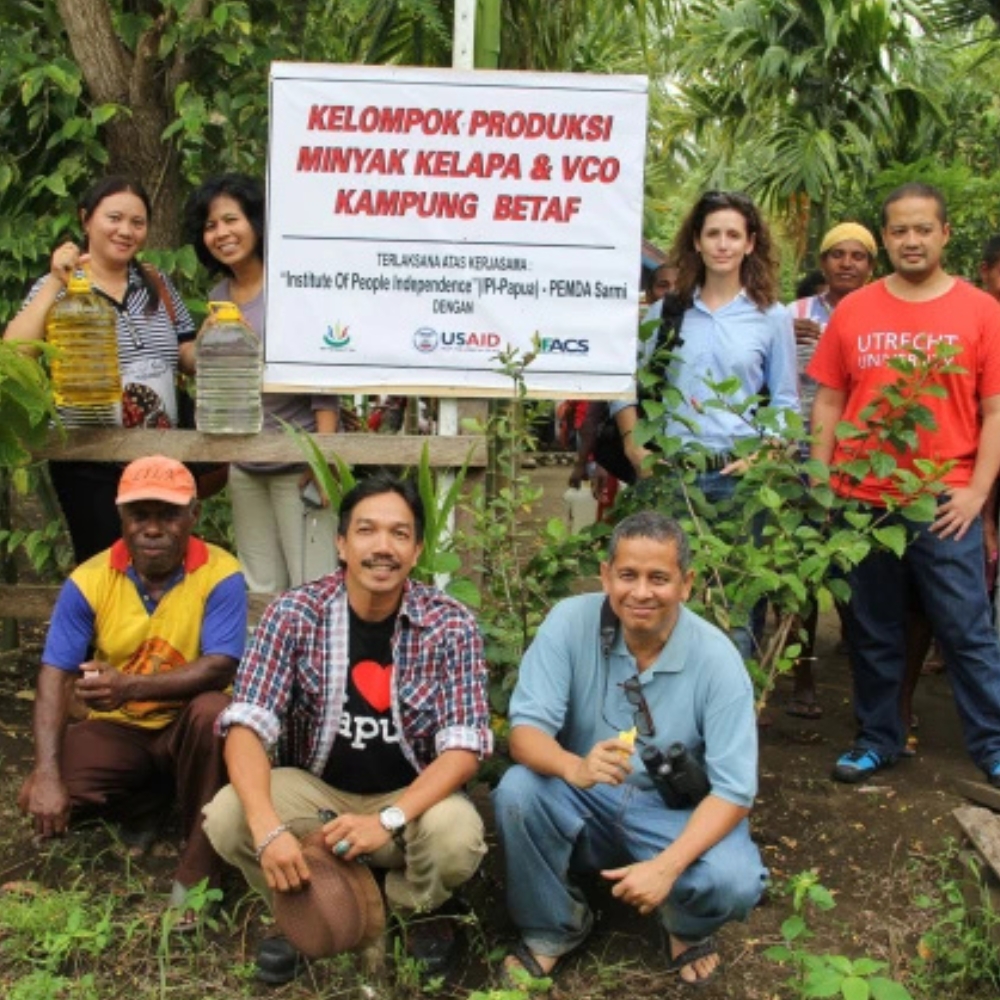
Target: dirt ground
876, 846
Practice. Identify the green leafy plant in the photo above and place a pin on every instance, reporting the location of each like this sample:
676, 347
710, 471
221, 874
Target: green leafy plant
959, 950
54, 931
524, 567
439, 495
204, 902
787, 536
26, 406
823, 974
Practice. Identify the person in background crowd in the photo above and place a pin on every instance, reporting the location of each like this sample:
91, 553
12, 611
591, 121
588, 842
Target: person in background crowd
813, 283
847, 260
658, 282
918, 304
661, 281
155, 337
283, 526
732, 325
147, 635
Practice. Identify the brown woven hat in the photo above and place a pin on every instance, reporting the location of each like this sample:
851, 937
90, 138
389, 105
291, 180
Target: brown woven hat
340, 910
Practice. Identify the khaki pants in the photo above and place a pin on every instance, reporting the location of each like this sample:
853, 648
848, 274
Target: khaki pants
444, 846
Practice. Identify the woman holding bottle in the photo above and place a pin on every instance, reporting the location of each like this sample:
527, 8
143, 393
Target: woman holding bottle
284, 530
155, 335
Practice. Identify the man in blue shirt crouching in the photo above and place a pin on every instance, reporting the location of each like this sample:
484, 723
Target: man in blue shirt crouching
608, 680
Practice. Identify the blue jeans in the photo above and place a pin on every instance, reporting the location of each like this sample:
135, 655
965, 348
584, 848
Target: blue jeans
949, 577
746, 638
549, 829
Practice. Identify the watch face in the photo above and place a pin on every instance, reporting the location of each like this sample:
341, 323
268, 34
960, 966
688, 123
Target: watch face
392, 818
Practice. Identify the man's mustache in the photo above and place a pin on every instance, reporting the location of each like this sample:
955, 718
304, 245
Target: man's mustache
376, 562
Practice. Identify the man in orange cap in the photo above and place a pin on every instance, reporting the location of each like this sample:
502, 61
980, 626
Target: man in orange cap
147, 636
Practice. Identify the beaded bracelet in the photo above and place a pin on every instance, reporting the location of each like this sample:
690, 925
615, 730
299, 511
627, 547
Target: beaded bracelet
268, 841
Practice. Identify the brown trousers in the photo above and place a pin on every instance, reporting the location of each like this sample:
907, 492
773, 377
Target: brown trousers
126, 773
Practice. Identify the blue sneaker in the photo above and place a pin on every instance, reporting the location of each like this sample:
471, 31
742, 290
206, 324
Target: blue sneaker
858, 764
993, 774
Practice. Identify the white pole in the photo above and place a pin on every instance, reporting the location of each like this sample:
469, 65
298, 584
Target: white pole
462, 57
464, 42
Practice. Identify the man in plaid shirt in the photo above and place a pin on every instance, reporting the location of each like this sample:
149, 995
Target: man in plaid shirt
367, 690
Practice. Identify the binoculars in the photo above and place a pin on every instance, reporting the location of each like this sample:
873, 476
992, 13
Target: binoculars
677, 775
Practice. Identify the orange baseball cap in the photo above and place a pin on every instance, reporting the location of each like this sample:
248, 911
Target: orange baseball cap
157, 477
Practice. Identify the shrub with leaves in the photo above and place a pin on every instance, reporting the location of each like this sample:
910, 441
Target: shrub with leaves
822, 974
787, 536
524, 567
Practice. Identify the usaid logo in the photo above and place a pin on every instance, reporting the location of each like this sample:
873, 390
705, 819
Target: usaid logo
426, 339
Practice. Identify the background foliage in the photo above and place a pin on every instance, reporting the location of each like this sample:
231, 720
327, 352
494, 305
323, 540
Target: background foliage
815, 108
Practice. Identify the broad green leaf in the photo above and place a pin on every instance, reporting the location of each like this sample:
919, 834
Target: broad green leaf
821, 981
866, 966
882, 464
887, 989
893, 538
792, 927
854, 988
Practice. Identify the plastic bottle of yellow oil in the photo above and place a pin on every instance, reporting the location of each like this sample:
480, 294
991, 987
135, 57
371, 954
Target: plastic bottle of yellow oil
86, 382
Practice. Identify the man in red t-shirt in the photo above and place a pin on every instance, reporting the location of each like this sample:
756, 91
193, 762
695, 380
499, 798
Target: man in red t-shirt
916, 307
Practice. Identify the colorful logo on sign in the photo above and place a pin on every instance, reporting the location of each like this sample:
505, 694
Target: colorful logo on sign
336, 337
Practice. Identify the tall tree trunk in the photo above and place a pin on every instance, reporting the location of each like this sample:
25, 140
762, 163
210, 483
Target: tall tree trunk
142, 83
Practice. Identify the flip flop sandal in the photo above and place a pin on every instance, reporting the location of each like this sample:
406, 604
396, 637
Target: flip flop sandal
184, 919
802, 708
694, 951
522, 955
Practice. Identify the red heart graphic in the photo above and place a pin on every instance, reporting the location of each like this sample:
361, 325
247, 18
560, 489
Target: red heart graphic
374, 682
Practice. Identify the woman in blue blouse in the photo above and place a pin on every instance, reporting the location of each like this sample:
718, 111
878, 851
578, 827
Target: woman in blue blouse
732, 325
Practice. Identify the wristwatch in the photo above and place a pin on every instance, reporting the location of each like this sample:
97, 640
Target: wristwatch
393, 819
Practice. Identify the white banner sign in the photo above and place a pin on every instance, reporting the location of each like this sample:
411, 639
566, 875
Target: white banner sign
421, 221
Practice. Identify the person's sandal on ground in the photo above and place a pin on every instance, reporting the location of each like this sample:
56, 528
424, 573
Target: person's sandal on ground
993, 774
804, 707
138, 838
693, 964
184, 919
522, 964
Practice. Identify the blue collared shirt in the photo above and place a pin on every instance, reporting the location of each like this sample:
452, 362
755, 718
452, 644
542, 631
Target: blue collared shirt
738, 339
698, 693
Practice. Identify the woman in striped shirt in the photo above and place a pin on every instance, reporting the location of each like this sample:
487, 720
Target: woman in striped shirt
155, 337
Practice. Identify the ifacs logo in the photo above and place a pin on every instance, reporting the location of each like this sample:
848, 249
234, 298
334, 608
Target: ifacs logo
336, 337
553, 345
425, 339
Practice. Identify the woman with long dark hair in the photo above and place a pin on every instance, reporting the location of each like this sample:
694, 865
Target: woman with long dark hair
731, 324
284, 530
155, 334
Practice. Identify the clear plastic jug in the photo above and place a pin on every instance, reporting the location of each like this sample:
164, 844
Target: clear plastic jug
228, 373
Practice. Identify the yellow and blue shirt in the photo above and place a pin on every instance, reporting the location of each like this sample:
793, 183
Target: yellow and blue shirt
104, 605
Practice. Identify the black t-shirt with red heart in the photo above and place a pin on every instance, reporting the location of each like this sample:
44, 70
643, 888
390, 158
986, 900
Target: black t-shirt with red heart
366, 757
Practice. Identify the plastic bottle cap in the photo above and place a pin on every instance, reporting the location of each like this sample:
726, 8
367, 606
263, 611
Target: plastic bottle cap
78, 283
225, 312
